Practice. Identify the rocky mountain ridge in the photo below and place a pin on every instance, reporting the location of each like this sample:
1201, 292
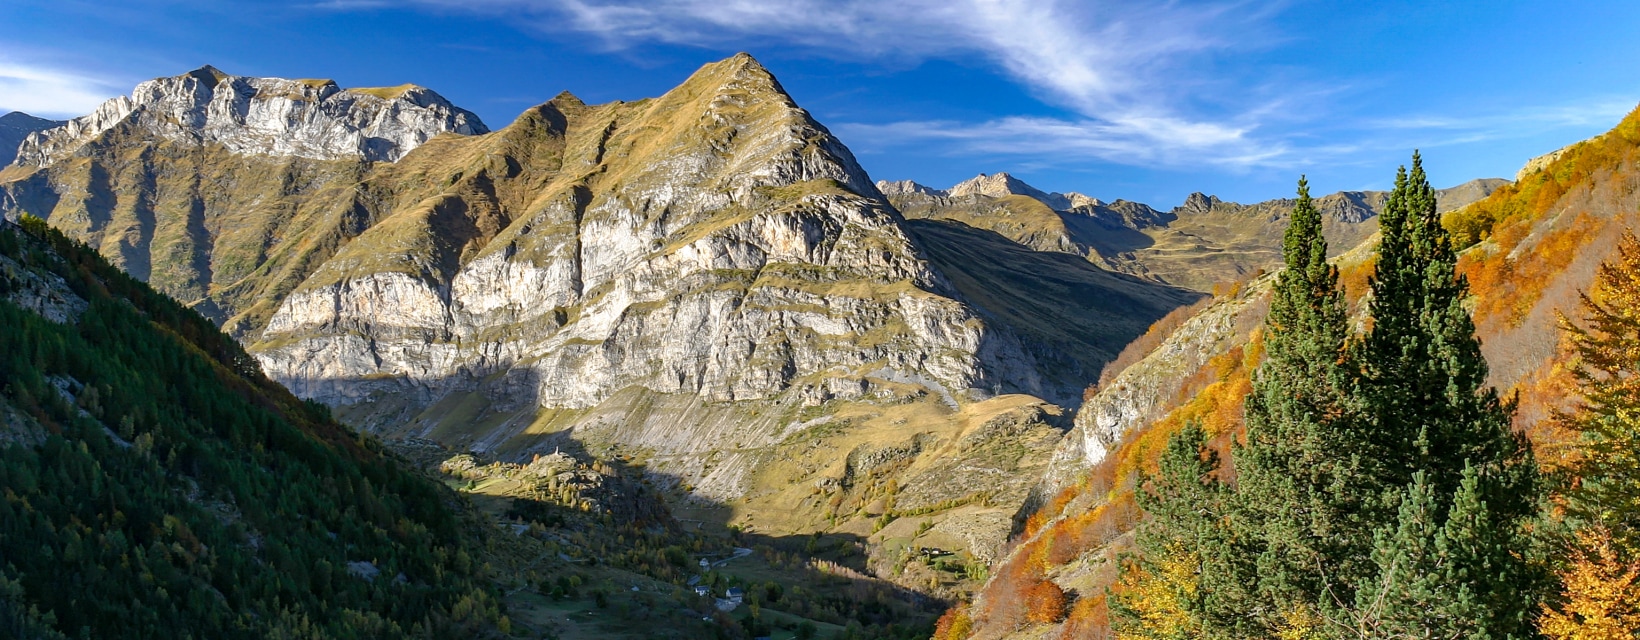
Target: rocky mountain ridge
758, 278
1202, 243
16, 126
313, 119
996, 185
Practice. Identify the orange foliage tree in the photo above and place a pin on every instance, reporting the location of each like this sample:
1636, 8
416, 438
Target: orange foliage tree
954, 625
1047, 603
1499, 215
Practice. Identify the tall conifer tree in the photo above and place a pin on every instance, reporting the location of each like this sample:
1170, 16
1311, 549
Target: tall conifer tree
1607, 344
1442, 432
1298, 473
1425, 378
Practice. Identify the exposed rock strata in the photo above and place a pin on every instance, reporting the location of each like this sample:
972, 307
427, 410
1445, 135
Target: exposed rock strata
715, 241
302, 118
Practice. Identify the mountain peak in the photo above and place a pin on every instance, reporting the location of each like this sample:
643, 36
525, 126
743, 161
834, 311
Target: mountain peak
19, 119
741, 71
996, 185
308, 118
14, 128
566, 99
1003, 184
207, 75
1198, 202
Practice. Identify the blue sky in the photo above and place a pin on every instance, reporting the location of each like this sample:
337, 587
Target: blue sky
1144, 101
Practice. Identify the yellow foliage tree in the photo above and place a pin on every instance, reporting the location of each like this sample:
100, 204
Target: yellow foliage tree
1160, 602
1602, 594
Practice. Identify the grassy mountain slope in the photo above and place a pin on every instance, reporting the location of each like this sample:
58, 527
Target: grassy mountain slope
157, 485
1536, 245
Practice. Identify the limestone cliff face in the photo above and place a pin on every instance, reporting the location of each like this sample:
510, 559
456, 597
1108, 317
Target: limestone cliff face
273, 116
715, 242
222, 191
905, 187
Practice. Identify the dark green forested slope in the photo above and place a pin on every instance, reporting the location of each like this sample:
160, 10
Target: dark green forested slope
153, 484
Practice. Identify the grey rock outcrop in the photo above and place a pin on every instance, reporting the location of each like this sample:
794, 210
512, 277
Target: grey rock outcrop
999, 185
906, 187
273, 116
1539, 163
42, 292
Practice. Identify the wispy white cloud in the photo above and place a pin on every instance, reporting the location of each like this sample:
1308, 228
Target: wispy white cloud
49, 91
1513, 122
1123, 69
1136, 141
349, 5
1062, 142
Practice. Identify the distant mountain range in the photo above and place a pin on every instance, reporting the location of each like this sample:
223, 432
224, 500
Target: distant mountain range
1199, 244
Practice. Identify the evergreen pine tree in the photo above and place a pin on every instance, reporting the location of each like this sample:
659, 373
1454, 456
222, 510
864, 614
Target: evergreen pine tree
1490, 583
1425, 390
1439, 429
1299, 473
1403, 601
